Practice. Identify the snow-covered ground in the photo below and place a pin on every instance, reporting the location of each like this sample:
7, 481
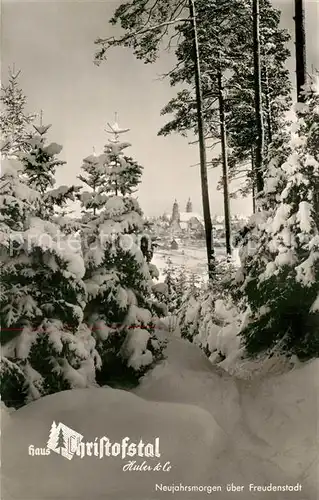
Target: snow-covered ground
193, 257
213, 429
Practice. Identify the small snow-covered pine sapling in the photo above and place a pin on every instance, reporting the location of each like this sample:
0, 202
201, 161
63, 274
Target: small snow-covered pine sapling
14, 121
41, 162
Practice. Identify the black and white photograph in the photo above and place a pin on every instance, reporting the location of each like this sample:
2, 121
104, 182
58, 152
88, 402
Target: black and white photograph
159, 249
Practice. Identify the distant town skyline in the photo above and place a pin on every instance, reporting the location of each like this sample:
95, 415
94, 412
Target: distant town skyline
52, 44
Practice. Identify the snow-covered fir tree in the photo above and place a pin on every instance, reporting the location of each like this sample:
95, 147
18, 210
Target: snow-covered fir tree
210, 314
123, 173
189, 311
45, 347
176, 281
40, 164
281, 267
14, 121
94, 177
118, 281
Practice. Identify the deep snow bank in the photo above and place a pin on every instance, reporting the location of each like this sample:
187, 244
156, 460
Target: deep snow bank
273, 419
187, 376
189, 438
214, 430
281, 413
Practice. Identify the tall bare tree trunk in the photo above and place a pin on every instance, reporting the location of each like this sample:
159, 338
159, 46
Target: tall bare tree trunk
253, 189
202, 146
268, 106
300, 44
301, 75
225, 160
316, 203
259, 155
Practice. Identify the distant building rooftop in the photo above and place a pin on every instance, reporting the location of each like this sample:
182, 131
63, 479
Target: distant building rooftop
187, 216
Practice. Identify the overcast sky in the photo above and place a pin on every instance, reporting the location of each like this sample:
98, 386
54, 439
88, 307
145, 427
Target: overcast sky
52, 43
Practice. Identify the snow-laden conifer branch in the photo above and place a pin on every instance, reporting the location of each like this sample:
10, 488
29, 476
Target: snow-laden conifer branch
125, 40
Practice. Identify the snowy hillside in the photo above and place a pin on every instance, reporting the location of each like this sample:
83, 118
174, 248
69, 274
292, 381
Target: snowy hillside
213, 429
189, 255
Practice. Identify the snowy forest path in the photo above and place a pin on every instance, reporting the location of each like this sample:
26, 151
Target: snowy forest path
187, 376
212, 428
271, 422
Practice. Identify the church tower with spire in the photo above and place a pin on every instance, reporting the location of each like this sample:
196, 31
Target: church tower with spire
175, 213
189, 206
